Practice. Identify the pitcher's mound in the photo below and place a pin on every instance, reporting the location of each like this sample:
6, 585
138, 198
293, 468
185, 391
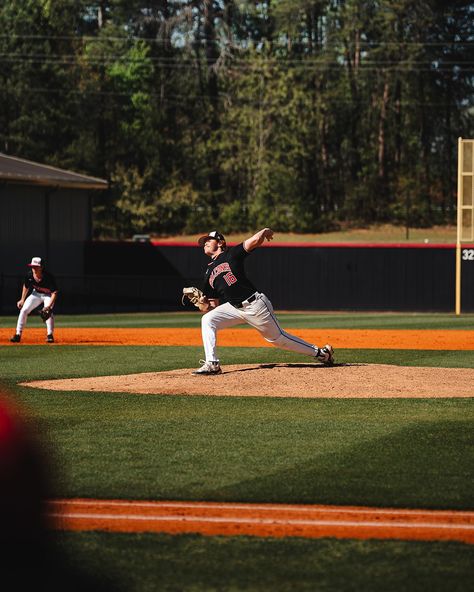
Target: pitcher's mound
285, 380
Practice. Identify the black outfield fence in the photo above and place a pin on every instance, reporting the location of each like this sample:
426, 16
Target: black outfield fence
145, 277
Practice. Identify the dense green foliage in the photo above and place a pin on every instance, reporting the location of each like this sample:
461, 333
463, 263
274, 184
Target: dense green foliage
300, 114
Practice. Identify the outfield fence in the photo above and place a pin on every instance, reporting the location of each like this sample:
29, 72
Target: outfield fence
121, 277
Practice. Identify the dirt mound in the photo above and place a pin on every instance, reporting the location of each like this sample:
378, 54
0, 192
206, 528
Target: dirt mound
285, 380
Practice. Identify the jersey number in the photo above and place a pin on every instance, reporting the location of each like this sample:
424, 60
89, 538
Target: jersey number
230, 278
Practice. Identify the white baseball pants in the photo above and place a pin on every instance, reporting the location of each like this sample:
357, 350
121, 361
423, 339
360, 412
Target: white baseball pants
258, 314
34, 300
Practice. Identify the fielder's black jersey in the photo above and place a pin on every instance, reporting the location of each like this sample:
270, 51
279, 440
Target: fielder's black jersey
47, 285
225, 277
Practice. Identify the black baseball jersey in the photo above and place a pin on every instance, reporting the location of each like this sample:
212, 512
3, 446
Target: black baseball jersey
47, 285
225, 277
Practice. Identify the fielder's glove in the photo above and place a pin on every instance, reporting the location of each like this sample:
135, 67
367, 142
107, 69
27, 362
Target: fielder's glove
45, 313
194, 295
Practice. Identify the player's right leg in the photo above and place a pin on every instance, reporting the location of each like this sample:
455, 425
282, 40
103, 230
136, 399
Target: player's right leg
221, 317
30, 304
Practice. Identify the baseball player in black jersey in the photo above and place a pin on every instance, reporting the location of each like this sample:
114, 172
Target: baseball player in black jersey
230, 299
39, 288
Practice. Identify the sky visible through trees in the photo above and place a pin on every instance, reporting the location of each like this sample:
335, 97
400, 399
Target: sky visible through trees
295, 114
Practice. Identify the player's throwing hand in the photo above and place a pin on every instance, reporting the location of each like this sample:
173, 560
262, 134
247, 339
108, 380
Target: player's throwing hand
268, 234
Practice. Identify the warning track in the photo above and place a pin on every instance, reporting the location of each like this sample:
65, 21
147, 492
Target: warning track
340, 338
263, 520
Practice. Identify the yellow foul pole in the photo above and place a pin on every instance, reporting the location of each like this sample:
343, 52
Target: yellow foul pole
459, 226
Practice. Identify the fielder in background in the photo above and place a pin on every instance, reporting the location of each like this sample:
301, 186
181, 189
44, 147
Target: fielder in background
229, 298
39, 288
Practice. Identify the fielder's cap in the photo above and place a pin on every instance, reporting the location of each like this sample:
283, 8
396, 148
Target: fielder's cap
36, 262
213, 234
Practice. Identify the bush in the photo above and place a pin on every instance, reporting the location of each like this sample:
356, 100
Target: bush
234, 217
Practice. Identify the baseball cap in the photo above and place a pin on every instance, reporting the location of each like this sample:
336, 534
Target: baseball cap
36, 262
213, 234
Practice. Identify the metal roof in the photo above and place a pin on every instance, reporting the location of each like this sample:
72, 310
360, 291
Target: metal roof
18, 170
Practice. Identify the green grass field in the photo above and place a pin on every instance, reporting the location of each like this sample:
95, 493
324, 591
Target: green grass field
149, 563
399, 453
311, 320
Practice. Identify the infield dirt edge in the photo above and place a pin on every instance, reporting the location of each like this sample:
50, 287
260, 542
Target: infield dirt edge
263, 520
304, 380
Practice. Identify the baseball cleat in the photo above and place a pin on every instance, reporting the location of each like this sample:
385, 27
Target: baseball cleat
49, 339
208, 368
326, 355
16, 338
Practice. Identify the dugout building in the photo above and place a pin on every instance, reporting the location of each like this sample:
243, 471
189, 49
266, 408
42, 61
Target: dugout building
47, 212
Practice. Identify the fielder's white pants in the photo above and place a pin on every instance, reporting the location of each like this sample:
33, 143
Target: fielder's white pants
34, 300
258, 314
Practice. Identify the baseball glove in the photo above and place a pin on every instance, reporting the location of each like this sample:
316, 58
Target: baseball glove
45, 313
194, 295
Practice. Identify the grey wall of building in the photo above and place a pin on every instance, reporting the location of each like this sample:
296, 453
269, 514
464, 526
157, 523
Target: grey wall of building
40, 221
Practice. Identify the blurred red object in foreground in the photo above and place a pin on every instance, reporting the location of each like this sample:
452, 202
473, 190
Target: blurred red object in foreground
23, 477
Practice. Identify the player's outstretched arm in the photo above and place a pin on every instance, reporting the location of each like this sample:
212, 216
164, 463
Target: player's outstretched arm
257, 239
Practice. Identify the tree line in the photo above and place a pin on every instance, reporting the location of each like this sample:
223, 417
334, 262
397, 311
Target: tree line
296, 114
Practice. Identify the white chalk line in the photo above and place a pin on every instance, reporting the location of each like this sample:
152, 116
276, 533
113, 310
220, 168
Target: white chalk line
266, 507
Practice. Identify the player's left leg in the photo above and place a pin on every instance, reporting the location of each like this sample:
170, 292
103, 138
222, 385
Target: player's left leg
221, 317
260, 315
29, 305
49, 322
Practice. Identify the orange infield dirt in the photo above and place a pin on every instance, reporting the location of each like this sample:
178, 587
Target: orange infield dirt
339, 338
263, 520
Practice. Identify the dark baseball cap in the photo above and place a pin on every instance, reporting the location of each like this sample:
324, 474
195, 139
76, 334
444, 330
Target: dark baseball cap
213, 234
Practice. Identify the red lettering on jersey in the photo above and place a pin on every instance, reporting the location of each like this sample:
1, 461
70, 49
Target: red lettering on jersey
230, 278
222, 268
42, 290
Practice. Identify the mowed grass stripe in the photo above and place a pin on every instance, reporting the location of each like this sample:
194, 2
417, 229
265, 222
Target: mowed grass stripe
36, 362
306, 320
136, 562
388, 453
